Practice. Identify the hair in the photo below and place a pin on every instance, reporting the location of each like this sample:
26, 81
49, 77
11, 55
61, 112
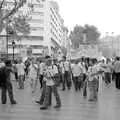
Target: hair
47, 57
64, 57
8, 63
117, 58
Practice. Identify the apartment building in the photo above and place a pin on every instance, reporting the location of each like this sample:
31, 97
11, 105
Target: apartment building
46, 35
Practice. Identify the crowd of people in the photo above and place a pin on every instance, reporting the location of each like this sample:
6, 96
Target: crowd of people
85, 75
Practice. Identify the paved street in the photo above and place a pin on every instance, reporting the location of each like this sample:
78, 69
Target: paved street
74, 107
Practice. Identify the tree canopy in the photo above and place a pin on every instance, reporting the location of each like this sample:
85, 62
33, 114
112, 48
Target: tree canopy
12, 16
87, 34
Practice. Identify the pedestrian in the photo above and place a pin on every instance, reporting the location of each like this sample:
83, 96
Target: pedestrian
33, 74
77, 80
49, 74
93, 82
5, 83
117, 72
66, 74
41, 67
21, 72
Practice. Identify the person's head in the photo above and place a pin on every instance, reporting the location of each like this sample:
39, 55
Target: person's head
64, 58
48, 60
117, 58
8, 63
108, 60
91, 62
20, 61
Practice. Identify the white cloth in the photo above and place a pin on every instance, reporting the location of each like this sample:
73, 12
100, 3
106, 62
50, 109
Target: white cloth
82, 65
66, 65
77, 70
33, 71
92, 70
20, 69
108, 68
2, 64
117, 66
50, 72
41, 68
62, 67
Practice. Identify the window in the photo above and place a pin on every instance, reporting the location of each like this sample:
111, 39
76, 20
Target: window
37, 28
38, 13
38, 5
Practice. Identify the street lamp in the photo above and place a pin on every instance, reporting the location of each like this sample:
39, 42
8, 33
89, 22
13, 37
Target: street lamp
13, 45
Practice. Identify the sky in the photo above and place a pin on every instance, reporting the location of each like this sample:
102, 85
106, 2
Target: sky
104, 14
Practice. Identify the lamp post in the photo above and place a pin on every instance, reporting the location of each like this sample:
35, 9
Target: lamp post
13, 45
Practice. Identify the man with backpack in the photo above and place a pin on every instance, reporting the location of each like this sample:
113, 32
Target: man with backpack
5, 83
49, 76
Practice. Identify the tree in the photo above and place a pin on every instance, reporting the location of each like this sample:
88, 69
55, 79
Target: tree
76, 36
84, 35
12, 19
10, 11
92, 34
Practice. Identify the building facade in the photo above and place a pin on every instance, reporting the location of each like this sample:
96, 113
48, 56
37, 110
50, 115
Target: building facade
46, 34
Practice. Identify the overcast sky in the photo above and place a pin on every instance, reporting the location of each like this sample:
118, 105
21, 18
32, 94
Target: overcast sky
104, 14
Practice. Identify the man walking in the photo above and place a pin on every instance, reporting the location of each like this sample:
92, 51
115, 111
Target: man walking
49, 74
117, 72
6, 84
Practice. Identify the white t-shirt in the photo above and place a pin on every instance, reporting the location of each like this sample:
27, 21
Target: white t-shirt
92, 70
66, 65
50, 72
20, 69
2, 64
41, 68
33, 71
77, 70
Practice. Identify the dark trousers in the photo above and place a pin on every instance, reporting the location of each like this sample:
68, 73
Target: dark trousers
41, 81
66, 80
21, 81
42, 98
107, 78
4, 92
77, 83
117, 80
49, 90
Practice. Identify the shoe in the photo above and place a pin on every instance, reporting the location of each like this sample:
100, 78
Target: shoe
57, 106
13, 102
43, 108
3, 102
63, 89
38, 102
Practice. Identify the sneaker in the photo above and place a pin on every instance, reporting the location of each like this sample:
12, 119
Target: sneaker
38, 102
3, 102
43, 108
57, 106
13, 102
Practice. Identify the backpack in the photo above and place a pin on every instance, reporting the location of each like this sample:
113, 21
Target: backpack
3, 76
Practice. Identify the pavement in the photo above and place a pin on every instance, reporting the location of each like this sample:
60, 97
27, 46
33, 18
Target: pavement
74, 106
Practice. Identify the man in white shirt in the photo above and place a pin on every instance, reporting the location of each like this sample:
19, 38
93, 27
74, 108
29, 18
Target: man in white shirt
2, 64
21, 72
66, 74
41, 71
108, 72
77, 71
49, 75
